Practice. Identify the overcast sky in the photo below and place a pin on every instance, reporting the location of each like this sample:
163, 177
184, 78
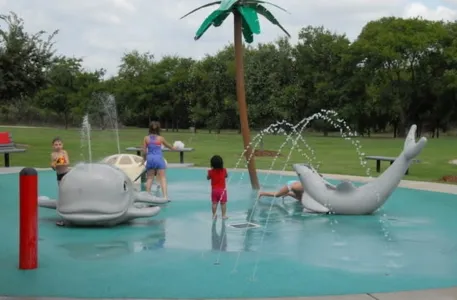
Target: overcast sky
100, 31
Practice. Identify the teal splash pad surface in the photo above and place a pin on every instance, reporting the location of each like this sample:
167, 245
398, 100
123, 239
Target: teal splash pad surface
410, 244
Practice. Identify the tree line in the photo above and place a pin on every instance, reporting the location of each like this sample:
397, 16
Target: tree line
396, 73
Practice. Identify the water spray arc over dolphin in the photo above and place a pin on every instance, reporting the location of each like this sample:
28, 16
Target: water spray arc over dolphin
347, 199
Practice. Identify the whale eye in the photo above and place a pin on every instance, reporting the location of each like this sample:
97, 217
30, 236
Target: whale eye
125, 186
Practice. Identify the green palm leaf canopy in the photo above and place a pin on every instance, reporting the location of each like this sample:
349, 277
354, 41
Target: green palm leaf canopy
249, 11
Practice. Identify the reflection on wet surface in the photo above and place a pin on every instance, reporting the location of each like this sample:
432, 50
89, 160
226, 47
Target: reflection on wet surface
366, 244
219, 240
410, 244
111, 249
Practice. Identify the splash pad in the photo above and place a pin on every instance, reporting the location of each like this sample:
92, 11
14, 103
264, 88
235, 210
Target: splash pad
262, 248
410, 244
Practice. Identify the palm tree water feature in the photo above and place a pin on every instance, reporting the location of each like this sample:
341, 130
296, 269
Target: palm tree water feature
246, 24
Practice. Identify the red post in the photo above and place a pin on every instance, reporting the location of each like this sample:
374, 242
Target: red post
28, 219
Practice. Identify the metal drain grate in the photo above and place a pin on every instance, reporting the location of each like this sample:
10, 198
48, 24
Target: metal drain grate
244, 225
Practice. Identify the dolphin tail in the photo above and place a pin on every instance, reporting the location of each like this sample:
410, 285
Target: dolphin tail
412, 148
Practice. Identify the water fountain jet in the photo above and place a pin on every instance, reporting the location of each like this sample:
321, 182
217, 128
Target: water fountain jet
109, 108
85, 137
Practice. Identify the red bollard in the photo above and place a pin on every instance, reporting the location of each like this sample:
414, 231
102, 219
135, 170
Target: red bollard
28, 219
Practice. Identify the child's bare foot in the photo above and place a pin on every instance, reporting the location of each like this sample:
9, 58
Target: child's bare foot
214, 217
224, 217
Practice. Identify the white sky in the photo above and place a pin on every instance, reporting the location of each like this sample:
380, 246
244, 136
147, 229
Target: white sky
100, 31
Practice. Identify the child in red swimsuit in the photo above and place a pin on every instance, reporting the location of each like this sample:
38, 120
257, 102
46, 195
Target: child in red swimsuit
217, 175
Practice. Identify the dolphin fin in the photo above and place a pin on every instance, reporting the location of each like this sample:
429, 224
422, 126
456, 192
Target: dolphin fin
411, 149
345, 187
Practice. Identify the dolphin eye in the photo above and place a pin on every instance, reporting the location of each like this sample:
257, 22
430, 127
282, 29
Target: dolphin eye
125, 186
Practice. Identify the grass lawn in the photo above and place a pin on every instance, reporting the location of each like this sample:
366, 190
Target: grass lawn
335, 154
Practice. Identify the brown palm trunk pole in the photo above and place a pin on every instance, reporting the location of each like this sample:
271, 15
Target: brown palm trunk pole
241, 96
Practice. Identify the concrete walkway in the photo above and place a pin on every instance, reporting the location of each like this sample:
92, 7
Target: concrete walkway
434, 294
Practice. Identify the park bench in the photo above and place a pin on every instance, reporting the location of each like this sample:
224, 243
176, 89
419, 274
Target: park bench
181, 151
7, 146
386, 158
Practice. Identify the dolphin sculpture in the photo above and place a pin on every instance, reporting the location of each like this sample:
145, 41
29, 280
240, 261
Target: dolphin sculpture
100, 194
347, 199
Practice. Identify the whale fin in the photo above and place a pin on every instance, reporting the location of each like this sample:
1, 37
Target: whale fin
412, 149
146, 197
345, 187
46, 202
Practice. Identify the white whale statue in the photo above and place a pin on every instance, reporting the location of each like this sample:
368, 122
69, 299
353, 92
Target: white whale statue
100, 194
347, 199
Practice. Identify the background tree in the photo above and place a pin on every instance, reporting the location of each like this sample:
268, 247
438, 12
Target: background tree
397, 72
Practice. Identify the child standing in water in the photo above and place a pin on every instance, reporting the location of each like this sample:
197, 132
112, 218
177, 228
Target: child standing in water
155, 164
217, 175
59, 159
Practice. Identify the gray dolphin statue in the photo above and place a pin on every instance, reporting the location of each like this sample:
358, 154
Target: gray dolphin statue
99, 194
347, 199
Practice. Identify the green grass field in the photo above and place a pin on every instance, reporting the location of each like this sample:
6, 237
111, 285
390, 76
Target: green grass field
336, 155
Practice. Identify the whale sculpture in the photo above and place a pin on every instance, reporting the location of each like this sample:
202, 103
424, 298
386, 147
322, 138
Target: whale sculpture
347, 199
100, 194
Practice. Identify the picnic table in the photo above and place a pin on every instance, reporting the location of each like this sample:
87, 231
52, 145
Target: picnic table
181, 151
7, 146
386, 158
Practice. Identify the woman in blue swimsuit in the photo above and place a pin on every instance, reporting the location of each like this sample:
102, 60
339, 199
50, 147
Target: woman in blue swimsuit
153, 155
